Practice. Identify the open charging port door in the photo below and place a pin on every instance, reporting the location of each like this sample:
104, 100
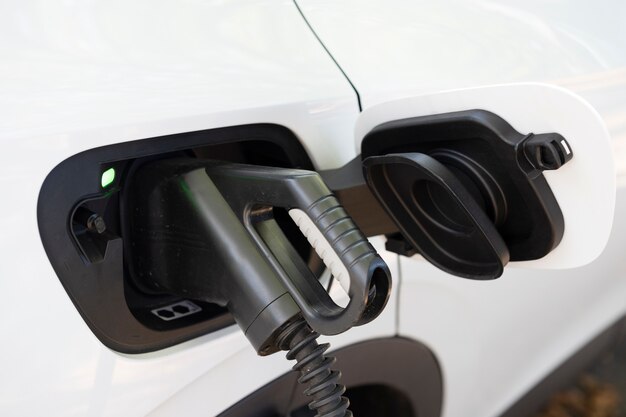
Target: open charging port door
474, 179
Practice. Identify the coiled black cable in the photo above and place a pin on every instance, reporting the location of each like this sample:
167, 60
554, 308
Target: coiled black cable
314, 367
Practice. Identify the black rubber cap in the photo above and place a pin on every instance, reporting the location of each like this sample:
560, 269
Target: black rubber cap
437, 214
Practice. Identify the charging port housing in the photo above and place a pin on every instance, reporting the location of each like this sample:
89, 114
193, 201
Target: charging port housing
79, 216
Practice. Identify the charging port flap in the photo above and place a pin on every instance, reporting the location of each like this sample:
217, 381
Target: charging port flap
527, 165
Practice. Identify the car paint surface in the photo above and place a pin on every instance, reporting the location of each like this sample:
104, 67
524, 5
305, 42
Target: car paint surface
495, 340
80, 75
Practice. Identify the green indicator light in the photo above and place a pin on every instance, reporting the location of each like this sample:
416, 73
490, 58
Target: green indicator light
108, 177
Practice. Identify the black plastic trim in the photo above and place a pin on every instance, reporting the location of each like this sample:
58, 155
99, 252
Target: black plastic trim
98, 289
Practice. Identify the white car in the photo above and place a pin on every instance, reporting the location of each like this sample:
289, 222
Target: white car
478, 139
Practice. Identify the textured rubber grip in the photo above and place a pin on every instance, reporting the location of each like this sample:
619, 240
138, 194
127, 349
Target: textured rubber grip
337, 240
322, 246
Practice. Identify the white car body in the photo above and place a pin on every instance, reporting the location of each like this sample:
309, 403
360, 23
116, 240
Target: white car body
79, 75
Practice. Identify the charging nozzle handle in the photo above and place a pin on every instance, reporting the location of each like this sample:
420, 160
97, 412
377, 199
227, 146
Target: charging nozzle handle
185, 240
206, 231
331, 231
346, 252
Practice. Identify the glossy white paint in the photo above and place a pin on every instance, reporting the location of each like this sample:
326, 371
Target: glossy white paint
405, 48
77, 75
495, 340
400, 48
538, 108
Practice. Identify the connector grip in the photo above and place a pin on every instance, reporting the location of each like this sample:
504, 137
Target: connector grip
205, 230
247, 188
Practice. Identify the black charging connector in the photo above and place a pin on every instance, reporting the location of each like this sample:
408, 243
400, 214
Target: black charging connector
205, 230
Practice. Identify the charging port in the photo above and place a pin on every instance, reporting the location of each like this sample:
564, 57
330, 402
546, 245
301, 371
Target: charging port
81, 227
